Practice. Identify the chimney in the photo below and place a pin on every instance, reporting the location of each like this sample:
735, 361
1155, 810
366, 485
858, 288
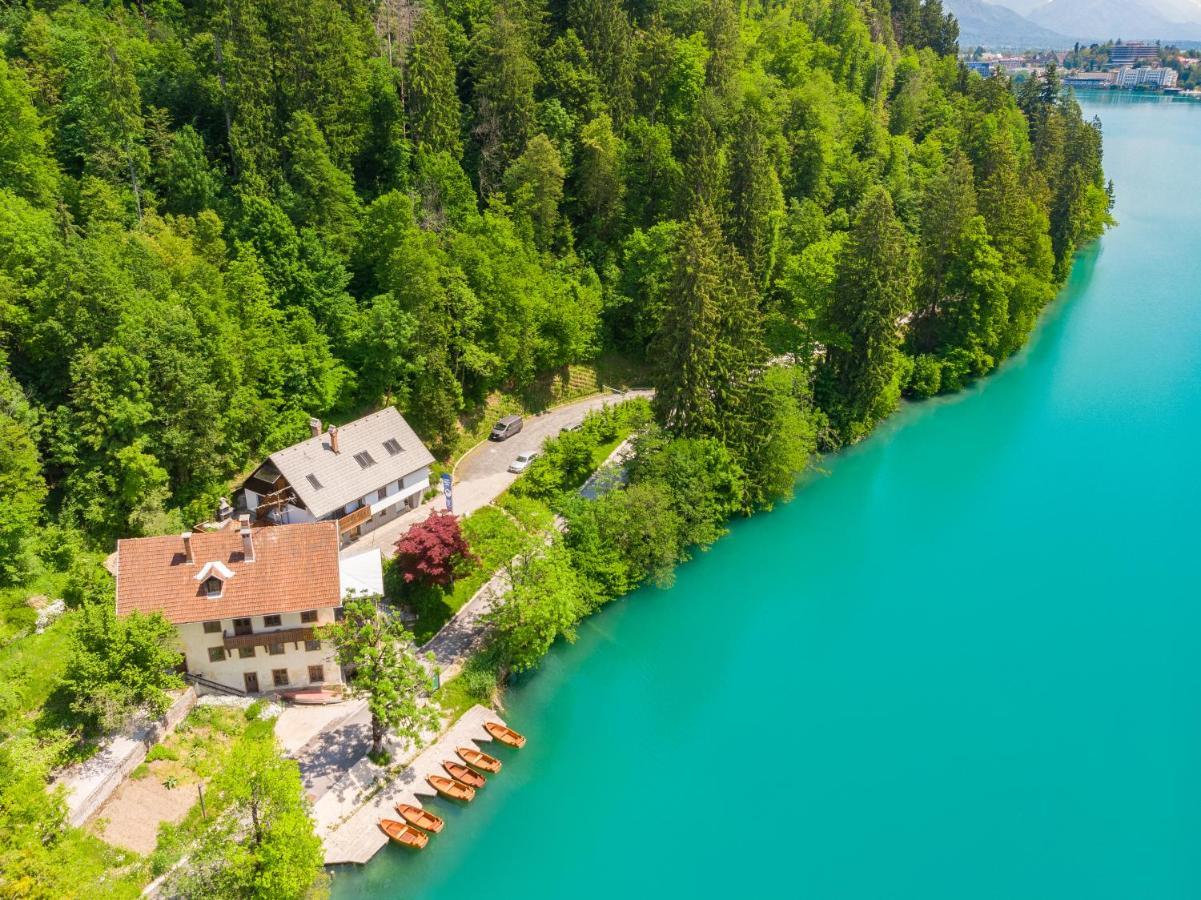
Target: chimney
224, 510
247, 546
187, 547
333, 438
315, 427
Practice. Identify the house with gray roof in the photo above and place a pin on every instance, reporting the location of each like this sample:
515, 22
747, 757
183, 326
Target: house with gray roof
359, 475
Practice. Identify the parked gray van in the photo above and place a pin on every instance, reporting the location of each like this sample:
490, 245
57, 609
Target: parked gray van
505, 428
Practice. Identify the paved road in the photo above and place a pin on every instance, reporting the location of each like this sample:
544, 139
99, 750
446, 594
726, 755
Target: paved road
482, 474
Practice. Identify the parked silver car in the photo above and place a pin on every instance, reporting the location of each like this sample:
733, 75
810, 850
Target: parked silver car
522, 462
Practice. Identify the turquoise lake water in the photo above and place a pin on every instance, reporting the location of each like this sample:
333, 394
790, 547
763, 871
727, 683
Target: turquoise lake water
965, 661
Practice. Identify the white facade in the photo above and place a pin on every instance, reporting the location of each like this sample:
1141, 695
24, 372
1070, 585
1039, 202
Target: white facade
1128, 77
292, 657
387, 502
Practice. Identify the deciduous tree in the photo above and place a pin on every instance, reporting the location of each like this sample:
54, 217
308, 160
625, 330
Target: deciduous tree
433, 550
372, 643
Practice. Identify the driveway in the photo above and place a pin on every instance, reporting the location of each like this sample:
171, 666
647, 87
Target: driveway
330, 749
482, 473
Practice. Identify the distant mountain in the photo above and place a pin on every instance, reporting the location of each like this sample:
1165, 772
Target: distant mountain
1099, 20
989, 25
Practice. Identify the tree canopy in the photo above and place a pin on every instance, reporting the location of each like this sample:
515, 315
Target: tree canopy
218, 220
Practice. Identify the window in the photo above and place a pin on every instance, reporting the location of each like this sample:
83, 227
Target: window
271, 621
280, 677
243, 626
212, 586
216, 654
316, 673
314, 482
309, 615
312, 645
275, 649
364, 459
245, 653
212, 627
392, 446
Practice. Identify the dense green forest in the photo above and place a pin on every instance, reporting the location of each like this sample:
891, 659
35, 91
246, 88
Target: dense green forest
222, 217
219, 218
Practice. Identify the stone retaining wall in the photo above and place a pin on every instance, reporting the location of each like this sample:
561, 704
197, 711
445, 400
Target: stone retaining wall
91, 782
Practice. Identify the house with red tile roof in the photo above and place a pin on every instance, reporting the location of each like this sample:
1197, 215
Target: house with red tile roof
247, 601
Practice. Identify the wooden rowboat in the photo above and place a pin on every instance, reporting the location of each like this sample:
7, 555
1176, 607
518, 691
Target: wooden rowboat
421, 818
448, 787
478, 760
460, 772
405, 835
312, 698
505, 734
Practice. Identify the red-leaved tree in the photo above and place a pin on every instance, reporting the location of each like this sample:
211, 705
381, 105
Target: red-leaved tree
432, 550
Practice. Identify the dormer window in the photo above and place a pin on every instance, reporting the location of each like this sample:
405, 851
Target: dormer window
364, 459
392, 446
212, 578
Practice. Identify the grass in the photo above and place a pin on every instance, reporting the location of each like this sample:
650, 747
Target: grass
31, 665
98, 870
476, 683
192, 754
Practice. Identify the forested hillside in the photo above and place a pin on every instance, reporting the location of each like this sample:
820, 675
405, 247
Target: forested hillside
218, 218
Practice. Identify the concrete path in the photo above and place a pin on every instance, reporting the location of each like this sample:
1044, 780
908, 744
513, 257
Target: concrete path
482, 474
297, 724
332, 753
357, 837
466, 628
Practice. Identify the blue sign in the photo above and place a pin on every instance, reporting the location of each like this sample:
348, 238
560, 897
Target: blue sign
446, 491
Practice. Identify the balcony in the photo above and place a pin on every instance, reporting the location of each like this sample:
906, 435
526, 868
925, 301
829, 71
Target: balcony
267, 638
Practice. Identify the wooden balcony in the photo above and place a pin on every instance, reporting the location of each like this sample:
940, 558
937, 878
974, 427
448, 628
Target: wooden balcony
267, 638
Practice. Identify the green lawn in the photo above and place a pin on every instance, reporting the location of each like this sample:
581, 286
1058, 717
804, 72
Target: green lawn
495, 538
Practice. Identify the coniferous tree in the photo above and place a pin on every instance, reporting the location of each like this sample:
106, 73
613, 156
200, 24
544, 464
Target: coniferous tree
859, 384
709, 343
756, 200
505, 110
534, 184
705, 165
600, 187
431, 101
605, 31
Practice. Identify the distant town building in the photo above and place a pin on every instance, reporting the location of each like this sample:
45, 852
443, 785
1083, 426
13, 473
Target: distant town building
360, 476
1089, 79
982, 67
1128, 77
1133, 52
247, 601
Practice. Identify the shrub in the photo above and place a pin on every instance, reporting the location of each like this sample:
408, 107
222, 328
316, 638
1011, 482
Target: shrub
926, 380
162, 751
119, 664
624, 538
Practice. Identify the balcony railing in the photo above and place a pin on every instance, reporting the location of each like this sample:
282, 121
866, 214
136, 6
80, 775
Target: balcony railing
267, 638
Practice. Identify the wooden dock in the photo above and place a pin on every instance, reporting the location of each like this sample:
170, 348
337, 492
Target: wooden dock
357, 837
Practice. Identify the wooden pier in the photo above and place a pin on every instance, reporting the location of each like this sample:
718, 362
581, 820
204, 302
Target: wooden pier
357, 837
